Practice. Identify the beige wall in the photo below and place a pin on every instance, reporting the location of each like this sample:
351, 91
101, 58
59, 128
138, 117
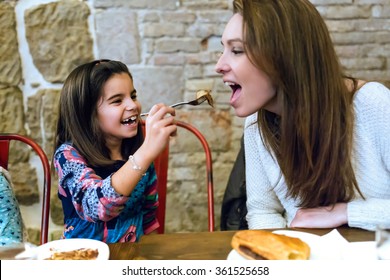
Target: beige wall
171, 48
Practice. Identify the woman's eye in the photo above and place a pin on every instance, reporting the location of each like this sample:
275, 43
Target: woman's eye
235, 51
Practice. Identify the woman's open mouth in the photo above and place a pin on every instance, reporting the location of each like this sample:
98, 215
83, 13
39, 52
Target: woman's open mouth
236, 90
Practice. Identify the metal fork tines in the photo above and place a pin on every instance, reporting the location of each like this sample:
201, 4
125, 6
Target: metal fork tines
192, 102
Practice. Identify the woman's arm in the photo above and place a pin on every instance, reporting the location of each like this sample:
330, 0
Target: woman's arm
321, 217
371, 158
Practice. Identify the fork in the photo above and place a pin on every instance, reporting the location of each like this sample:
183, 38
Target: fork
194, 102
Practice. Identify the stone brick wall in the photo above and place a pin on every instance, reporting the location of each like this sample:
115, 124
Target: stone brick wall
171, 48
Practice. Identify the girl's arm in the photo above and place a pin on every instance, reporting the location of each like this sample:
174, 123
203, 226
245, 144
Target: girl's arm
93, 198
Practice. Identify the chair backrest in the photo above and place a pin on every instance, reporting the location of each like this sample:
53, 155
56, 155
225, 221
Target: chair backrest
4, 153
161, 165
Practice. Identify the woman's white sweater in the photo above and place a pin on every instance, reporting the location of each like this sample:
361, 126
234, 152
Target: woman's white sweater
268, 205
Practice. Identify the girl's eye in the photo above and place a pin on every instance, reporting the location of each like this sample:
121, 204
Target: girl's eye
117, 101
134, 96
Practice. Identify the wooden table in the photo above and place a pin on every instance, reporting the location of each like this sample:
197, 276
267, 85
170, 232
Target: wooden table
201, 245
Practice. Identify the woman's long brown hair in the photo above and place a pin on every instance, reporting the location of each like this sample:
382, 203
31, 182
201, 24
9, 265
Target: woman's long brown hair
77, 122
312, 138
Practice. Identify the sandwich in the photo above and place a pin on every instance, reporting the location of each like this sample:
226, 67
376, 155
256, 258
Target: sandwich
265, 245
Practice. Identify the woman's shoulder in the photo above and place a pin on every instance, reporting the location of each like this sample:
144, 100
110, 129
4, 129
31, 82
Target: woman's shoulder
373, 90
371, 106
372, 95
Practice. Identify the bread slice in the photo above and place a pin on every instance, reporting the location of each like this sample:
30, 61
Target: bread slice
262, 244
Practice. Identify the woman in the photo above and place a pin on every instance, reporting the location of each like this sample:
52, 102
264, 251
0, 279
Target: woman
107, 182
316, 141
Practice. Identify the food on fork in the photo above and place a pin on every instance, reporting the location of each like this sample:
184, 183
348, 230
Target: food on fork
265, 245
78, 254
206, 93
201, 96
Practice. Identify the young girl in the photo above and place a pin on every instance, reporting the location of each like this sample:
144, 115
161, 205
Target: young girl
107, 182
317, 145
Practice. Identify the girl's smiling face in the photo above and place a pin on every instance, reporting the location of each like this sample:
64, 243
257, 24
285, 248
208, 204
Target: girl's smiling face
252, 88
118, 110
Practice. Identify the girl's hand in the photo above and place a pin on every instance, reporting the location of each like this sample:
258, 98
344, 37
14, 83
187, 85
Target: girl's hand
321, 217
159, 126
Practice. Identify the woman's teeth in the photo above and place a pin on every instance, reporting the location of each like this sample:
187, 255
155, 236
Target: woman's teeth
233, 86
230, 84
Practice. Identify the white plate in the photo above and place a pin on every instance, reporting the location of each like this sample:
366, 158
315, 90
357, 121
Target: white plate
363, 250
45, 250
318, 250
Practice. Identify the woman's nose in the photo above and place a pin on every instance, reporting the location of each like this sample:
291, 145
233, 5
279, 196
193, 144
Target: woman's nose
221, 66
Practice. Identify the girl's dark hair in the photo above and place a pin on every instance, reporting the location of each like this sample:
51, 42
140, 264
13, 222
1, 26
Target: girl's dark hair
312, 139
77, 119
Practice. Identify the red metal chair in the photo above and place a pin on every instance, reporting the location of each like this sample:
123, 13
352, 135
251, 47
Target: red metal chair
161, 165
4, 152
